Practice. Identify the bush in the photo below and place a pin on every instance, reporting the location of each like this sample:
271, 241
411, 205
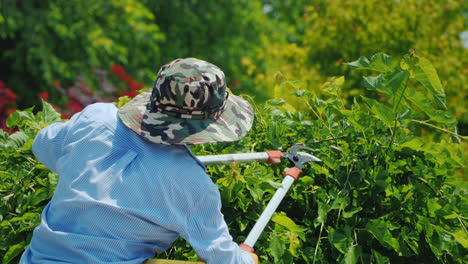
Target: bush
25, 185
390, 196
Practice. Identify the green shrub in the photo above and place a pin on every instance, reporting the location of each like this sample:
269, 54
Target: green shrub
390, 196
25, 185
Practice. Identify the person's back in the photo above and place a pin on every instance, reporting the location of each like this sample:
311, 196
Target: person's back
120, 197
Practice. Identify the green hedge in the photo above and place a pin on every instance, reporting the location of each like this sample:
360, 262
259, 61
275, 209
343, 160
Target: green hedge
390, 196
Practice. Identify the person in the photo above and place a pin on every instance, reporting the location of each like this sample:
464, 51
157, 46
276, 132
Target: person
129, 184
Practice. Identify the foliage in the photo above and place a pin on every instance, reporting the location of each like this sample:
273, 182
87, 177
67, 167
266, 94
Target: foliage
325, 34
388, 197
208, 30
25, 185
47, 41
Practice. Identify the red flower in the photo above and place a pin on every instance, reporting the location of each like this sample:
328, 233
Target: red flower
43, 95
134, 86
119, 71
131, 84
74, 106
7, 96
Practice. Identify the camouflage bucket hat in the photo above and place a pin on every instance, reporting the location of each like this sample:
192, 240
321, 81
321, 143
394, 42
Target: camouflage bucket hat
188, 105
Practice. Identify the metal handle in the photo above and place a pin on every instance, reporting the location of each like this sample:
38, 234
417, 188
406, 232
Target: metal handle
269, 211
272, 156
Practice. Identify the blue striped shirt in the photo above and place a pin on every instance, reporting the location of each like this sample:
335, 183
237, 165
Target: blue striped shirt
121, 198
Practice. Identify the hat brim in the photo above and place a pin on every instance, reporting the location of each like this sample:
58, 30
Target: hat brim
233, 124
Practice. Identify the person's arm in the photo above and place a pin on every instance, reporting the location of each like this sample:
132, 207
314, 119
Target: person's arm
208, 233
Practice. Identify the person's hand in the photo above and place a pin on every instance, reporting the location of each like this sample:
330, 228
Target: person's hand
250, 250
254, 257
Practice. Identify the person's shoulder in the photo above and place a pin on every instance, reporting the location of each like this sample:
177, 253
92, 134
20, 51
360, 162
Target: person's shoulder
177, 159
105, 113
100, 109
194, 158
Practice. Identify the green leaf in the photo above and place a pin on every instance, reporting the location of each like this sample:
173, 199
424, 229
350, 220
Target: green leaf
380, 230
282, 219
393, 84
461, 237
276, 247
410, 240
3, 135
381, 111
397, 83
17, 139
39, 196
276, 102
14, 251
322, 214
340, 238
380, 62
374, 83
275, 185
423, 104
440, 240
379, 259
53, 178
48, 114
352, 255
348, 214
123, 100
18, 117
423, 71
432, 206
414, 143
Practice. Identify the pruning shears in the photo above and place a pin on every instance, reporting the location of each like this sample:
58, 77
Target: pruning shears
296, 158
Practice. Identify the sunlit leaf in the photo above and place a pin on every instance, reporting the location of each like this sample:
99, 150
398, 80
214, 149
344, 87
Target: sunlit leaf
284, 220
19, 116
350, 213
49, 114
462, 237
381, 111
14, 251
380, 62
426, 74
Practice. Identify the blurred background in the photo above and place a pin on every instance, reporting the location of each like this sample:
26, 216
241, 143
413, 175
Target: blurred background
76, 52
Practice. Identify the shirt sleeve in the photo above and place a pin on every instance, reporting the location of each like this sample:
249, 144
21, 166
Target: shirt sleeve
208, 234
48, 144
